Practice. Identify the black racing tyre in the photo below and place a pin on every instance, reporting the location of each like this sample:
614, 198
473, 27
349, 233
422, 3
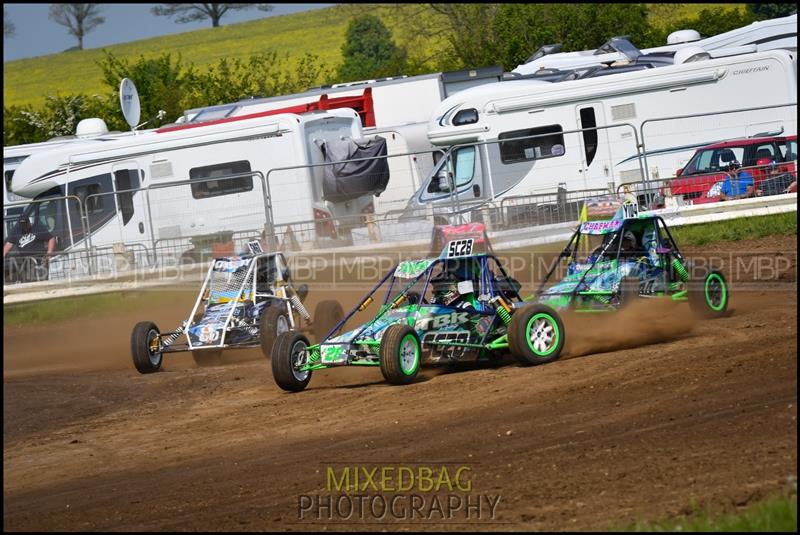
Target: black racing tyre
400, 354
536, 335
273, 322
628, 291
285, 358
206, 358
709, 295
142, 338
327, 314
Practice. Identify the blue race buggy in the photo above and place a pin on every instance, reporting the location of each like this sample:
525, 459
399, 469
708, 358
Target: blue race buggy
245, 301
458, 307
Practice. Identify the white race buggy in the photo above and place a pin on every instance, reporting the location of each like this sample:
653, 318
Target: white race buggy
247, 301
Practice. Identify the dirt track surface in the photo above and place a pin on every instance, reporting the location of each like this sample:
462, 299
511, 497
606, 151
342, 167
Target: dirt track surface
648, 411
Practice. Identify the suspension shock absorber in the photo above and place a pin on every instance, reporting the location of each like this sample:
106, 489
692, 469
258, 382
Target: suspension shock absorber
299, 307
680, 270
502, 308
165, 342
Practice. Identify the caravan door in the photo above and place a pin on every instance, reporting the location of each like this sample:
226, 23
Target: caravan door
596, 169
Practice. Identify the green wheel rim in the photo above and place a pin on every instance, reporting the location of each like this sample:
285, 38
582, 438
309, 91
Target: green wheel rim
715, 292
542, 334
409, 354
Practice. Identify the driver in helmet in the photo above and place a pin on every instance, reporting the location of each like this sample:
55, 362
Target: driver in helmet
629, 245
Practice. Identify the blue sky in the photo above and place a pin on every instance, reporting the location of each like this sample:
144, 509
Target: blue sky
37, 35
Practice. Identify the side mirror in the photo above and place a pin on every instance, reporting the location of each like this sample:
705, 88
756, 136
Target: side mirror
679, 171
445, 178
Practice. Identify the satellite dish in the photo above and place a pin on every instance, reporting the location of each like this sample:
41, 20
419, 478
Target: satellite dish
129, 100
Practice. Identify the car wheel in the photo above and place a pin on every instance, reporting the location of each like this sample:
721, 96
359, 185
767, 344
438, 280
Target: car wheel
286, 359
327, 315
143, 340
400, 354
536, 335
708, 297
274, 321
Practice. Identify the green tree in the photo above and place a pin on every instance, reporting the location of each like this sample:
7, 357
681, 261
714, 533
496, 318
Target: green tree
192, 12
469, 32
575, 26
710, 22
771, 11
59, 117
369, 51
162, 84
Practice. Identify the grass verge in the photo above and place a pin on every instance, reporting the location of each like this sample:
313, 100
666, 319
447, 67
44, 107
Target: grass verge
85, 307
743, 228
776, 514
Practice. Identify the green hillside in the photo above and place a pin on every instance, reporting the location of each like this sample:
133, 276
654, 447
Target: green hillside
320, 32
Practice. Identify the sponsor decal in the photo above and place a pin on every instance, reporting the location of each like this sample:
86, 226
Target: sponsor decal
208, 333
231, 264
441, 321
600, 226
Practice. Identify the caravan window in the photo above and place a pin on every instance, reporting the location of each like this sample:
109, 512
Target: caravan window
533, 148
214, 188
126, 179
464, 170
589, 136
86, 193
96, 199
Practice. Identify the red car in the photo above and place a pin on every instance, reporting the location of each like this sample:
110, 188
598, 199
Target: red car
770, 160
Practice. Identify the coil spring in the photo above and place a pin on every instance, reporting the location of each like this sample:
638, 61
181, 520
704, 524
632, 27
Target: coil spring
603, 299
299, 307
172, 337
504, 315
680, 270
313, 357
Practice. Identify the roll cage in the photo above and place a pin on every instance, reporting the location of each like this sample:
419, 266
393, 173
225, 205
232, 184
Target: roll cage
665, 246
489, 285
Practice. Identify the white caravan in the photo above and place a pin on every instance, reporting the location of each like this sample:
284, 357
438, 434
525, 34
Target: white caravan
99, 171
779, 33
618, 106
396, 108
15, 154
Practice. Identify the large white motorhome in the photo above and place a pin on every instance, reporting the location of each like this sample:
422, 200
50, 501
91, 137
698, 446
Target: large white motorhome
779, 33
618, 107
98, 171
396, 108
15, 154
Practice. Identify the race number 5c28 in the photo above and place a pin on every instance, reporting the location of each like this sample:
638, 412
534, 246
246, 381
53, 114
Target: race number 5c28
459, 247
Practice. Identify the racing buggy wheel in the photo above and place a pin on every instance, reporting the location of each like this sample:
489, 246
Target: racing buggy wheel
536, 335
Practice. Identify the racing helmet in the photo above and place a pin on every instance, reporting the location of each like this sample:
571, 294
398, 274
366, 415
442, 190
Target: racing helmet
445, 290
628, 236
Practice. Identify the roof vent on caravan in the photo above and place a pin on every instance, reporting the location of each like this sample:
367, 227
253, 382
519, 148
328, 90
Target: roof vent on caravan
691, 53
683, 36
543, 51
91, 128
